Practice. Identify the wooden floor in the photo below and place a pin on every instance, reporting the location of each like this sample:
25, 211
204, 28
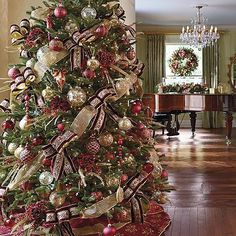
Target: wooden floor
203, 170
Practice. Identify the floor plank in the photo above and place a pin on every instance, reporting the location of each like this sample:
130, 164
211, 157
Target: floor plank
203, 170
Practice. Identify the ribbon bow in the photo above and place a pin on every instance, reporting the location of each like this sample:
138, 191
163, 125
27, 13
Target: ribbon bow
133, 195
19, 32
23, 81
61, 161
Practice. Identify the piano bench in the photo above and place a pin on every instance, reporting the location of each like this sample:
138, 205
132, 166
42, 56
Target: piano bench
161, 118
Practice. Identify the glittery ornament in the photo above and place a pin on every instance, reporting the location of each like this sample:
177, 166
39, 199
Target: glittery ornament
18, 151
130, 161
71, 27
88, 13
93, 63
26, 154
106, 139
106, 58
93, 146
109, 230
125, 124
48, 93
12, 147
76, 97
56, 199
46, 178
122, 85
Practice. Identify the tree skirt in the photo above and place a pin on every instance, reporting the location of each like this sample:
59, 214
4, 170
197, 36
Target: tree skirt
156, 222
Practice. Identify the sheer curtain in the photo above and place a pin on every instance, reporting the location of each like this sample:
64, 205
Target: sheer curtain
211, 78
155, 61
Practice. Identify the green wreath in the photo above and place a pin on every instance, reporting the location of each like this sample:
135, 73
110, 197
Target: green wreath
183, 62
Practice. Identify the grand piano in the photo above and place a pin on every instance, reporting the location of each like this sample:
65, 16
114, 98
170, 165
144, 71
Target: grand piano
192, 103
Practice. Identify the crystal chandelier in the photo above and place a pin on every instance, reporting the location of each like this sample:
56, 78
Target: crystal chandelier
198, 35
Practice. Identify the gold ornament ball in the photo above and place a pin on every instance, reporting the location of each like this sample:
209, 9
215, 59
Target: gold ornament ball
112, 181
76, 97
130, 160
157, 169
3, 174
125, 124
114, 22
48, 93
18, 151
93, 63
71, 27
106, 139
122, 85
56, 199
12, 147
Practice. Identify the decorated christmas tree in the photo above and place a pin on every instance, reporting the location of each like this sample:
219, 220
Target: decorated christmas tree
78, 155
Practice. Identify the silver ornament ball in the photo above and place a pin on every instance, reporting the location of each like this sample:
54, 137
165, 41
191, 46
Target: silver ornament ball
46, 178
88, 13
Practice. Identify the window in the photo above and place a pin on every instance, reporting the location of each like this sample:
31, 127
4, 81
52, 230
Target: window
170, 78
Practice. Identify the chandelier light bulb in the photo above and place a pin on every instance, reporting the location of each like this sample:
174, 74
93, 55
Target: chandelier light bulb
198, 35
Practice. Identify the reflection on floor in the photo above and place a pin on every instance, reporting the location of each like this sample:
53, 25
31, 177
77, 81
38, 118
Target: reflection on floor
203, 170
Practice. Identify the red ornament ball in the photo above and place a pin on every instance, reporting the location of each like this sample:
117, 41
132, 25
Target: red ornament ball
164, 174
101, 31
131, 54
56, 45
9, 222
109, 230
13, 72
89, 74
8, 125
140, 125
124, 178
97, 195
110, 156
145, 133
136, 108
38, 140
148, 167
60, 11
47, 162
61, 127
93, 146
120, 141
27, 97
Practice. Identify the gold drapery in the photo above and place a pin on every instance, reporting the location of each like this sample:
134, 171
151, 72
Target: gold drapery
155, 61
211, 78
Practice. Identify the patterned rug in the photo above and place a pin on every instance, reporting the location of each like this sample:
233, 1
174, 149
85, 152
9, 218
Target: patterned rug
156, 223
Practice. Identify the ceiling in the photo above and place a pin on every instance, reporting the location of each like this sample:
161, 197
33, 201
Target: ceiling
221, 13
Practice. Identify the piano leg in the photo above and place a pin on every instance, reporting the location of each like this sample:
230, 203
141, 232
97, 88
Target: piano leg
228, 125
193, 117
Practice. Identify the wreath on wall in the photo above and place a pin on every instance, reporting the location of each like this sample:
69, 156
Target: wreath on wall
183, 62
